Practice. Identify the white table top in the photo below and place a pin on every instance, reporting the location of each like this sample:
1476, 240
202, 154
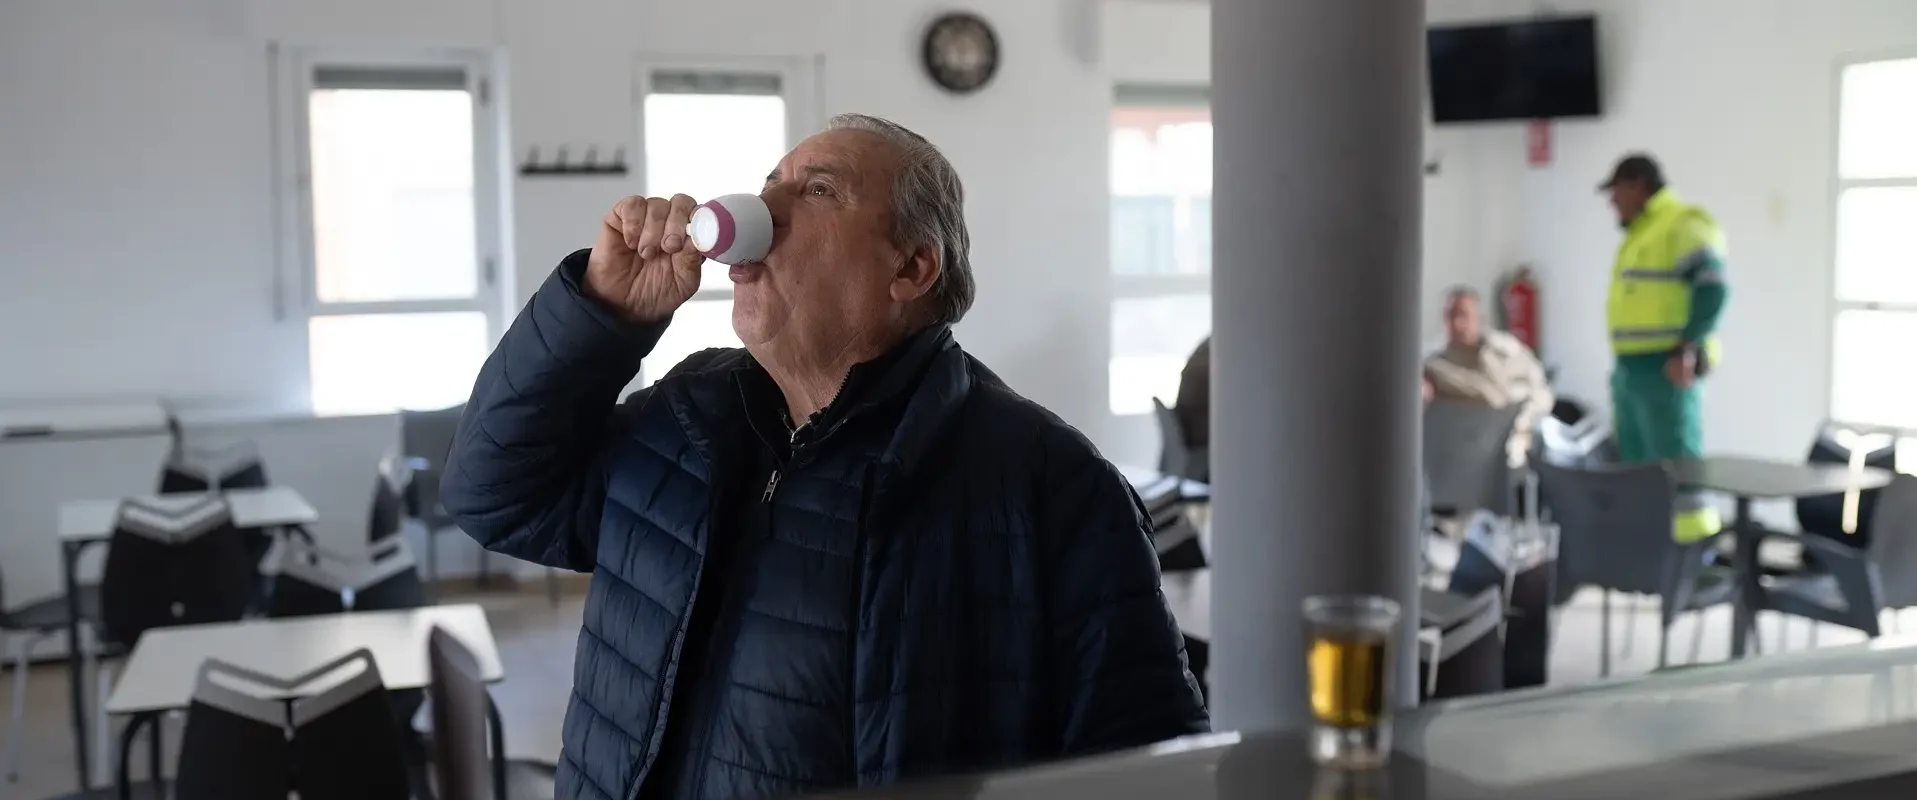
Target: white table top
89, 520
160, 674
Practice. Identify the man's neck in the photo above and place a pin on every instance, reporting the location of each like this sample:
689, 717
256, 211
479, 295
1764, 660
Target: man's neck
811, 382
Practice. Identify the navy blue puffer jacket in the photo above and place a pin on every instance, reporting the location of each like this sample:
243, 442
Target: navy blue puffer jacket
1006, 593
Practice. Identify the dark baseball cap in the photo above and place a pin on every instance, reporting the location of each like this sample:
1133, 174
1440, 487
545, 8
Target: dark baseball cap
1635, 167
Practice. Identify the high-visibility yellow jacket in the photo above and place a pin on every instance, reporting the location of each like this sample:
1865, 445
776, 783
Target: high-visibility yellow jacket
1670, 247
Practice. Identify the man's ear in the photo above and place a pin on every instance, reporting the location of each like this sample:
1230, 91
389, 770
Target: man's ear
916, 274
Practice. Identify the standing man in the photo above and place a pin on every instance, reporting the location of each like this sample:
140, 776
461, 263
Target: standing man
1667, 293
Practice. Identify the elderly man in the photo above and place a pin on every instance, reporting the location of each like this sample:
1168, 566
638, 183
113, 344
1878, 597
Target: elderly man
845, 555
1489, 367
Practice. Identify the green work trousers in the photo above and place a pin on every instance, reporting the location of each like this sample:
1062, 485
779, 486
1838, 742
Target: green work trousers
1654, 420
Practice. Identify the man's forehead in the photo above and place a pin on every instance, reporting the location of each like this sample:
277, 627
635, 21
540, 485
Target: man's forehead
848, 153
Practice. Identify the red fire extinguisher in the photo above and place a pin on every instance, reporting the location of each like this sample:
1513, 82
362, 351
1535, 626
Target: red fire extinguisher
1519, 299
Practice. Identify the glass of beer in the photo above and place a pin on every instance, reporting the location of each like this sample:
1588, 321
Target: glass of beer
1350, 641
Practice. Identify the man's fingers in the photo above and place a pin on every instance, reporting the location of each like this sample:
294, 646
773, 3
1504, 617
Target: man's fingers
678, 216
652, 237
629, 218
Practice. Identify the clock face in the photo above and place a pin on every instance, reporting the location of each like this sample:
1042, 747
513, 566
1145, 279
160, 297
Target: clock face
961, 52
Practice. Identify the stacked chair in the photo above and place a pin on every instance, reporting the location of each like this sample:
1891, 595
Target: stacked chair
241, 741
385, 577
190, 468
170, 561
36, 621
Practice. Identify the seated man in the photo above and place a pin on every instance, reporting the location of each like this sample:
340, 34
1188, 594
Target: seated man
1489, 367
845, 555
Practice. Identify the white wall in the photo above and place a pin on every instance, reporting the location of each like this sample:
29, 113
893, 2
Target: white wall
1469, 236
1737, 99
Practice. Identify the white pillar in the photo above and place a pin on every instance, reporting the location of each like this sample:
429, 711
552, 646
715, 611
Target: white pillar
1317, 108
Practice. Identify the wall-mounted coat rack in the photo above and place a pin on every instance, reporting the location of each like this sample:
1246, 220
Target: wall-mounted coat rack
561, 165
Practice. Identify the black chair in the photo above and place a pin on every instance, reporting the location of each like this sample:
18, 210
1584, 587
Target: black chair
32, 623
170, 561
1855, 583
1615, 533
346, 743
1467, 457
1176, 455
461, 722
1460, 644
316, 581
216, 469
1823, 515
235, 743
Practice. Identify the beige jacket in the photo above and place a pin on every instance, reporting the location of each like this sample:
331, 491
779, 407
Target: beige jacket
1498, 372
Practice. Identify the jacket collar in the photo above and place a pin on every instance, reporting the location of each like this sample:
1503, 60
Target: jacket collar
928, 373
1661, 203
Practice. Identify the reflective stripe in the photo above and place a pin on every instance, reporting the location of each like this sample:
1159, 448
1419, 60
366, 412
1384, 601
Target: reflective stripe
1643, 334
1708, 277
1650, 274
1690, 501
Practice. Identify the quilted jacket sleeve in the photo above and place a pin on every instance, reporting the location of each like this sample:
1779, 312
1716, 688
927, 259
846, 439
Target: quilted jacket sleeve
1118, 661
526, 475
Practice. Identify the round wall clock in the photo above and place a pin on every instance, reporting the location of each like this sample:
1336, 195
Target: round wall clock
961, 52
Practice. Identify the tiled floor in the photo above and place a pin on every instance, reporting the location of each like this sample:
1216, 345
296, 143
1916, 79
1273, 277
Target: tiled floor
536, 641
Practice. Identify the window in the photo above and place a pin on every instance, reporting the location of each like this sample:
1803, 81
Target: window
709, 130
1876, 245
397, 224
1160, 240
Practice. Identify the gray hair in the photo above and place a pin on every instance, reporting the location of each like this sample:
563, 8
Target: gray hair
928, 210
1460, 292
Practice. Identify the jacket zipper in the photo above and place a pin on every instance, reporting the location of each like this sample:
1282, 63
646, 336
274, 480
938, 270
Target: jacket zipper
772, 483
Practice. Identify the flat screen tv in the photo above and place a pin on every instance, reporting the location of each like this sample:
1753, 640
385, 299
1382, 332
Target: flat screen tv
1533, 69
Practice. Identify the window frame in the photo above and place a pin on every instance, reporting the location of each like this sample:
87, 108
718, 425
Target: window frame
798, 87
292, 70
1134, 287
1840, 185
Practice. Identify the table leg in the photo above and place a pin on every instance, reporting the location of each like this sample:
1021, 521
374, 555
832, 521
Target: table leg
497, 728
69, 566
155, 743
123, 781
1744, 570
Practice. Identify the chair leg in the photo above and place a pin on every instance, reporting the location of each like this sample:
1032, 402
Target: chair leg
1630, 629
102, 739
21, 662
1604, 637
1697, 636
432, 564
552, 586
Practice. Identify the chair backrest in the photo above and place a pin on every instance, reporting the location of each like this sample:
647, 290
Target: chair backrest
174, 561
1614, 524
203, 469
1176, 456
1824, 514
390, 578
391, 484
428, 435
1467, 457
235, 742
347, 743
312, 581
1893, 544
459, 719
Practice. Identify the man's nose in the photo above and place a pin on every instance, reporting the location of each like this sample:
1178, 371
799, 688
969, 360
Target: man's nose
778, 199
